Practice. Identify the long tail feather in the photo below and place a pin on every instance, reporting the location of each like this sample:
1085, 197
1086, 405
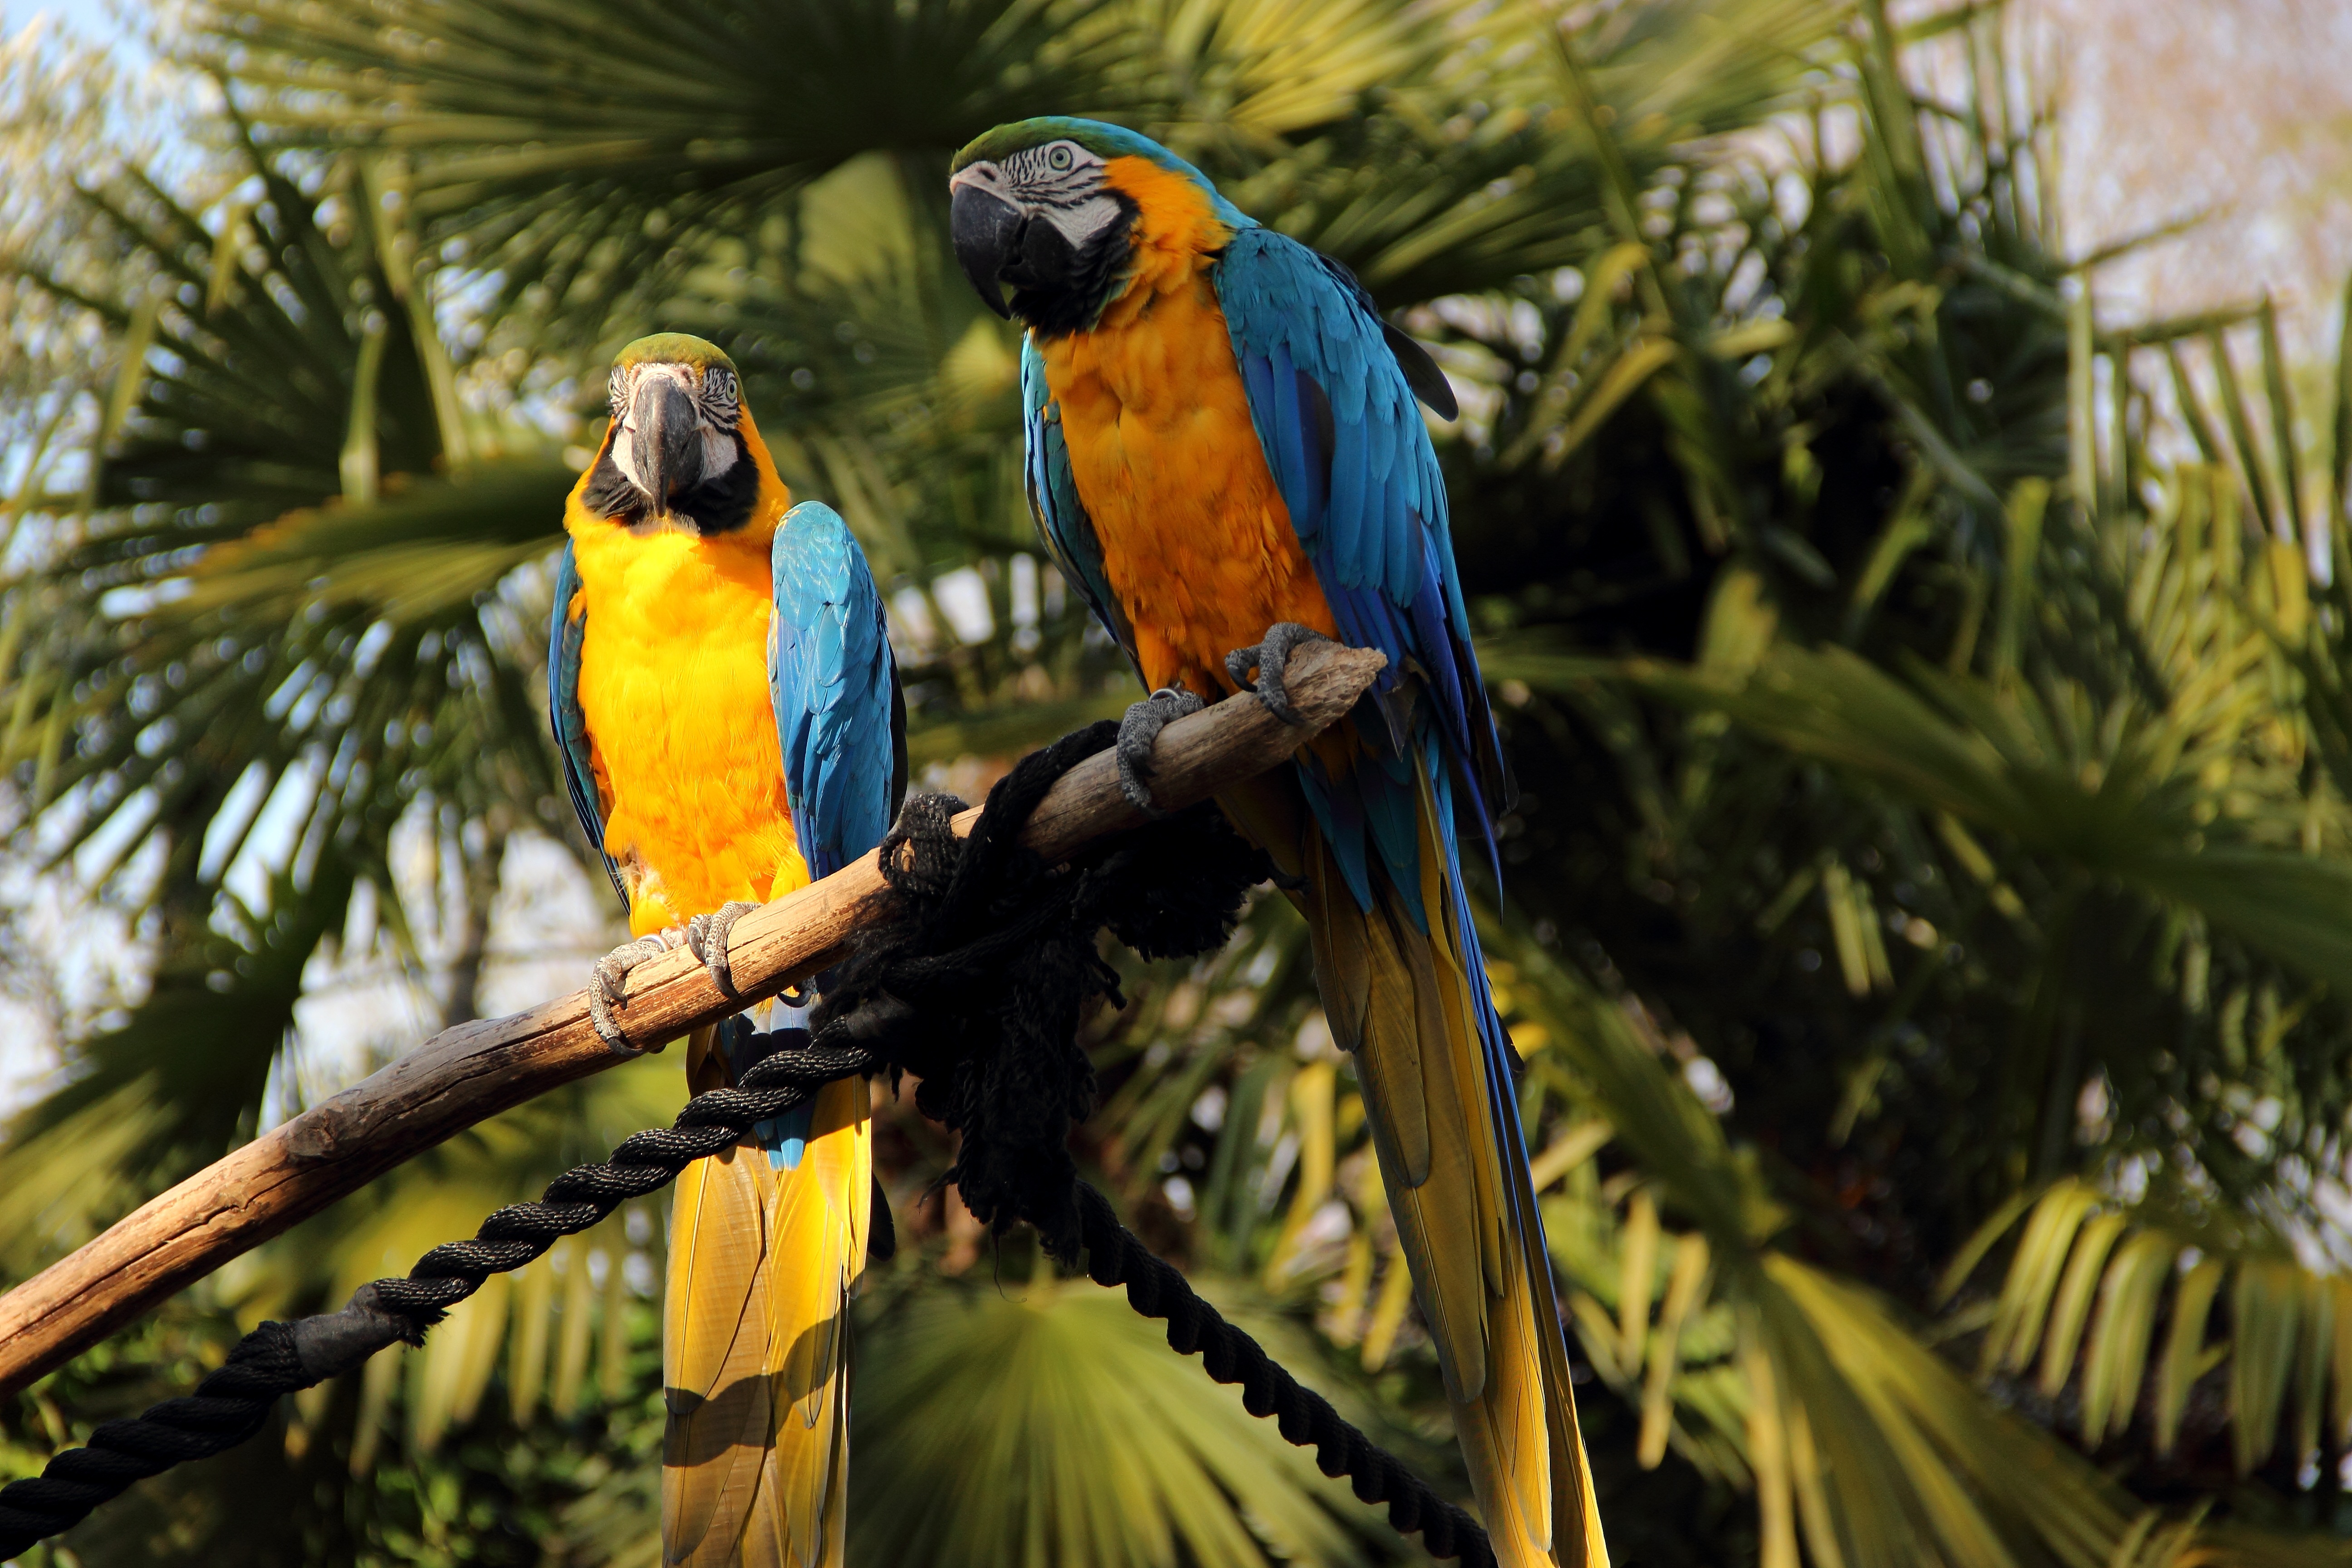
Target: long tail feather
1413, 1007
755, 1343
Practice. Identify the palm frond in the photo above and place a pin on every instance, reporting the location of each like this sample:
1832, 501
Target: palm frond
2090, 1281
560, 144
2118, 799
1061, 1426
1800, 1382
308, 621
557, 1331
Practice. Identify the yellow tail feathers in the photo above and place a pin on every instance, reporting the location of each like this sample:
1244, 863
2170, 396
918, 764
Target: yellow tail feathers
1402, 1002
755, 1346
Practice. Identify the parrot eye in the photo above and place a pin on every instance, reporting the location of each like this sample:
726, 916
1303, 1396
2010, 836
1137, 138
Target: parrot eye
1058, 157
721, 396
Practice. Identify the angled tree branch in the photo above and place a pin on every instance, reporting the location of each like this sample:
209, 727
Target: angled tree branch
472, 1072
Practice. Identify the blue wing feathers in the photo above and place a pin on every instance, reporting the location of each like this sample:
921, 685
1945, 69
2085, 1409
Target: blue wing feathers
1344, 522
1344, 439
1380, 452
1338, 806
1302, 442
1061, 521
565, 633
834, 686
1502, 1074
839, 723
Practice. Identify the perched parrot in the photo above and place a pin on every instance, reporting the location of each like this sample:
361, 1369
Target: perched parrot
1226, 458
728, 715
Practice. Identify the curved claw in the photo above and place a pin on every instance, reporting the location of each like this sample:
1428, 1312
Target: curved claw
1137, 730
706, 938
608, 988
1269, 658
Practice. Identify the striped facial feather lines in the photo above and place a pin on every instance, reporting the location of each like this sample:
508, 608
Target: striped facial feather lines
1063, 182
1060, 173
677, 429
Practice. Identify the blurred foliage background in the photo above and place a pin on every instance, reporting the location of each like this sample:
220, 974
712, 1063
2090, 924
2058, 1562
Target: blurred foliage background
1921, 920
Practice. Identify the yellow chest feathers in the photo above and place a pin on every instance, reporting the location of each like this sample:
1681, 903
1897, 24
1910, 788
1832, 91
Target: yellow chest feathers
674, 685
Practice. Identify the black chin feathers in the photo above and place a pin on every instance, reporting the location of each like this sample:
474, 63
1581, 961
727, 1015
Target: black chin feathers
1056, 291
610, 494
710, 507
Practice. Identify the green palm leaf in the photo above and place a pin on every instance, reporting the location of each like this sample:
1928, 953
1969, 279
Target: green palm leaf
568, 151
1061, 1427
299, 609
1861, 1440
2124, 805
2273, 1358
564, 145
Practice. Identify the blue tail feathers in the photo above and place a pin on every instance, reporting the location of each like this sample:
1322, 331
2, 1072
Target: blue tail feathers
785, 1138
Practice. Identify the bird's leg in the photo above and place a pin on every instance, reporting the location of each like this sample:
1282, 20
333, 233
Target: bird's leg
1268, 658
706, 938
607, 990
1137, 730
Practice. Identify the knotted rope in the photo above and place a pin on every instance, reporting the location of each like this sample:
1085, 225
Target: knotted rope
977, 985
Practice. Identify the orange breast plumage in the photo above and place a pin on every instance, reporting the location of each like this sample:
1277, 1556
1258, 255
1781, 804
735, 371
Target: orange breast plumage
1196, 541
674, 686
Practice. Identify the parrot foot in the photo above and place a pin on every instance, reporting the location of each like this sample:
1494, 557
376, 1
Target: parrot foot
706, 938
1137, 730
1269, 658
607, 990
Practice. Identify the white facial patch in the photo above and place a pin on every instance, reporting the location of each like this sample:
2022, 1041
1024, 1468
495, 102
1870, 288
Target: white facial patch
718, 435
1081, 223
1060, 182
719, 453
624, 456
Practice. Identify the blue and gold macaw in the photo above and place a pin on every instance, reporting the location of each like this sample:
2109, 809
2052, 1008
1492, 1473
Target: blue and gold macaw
1226, 458
725, 703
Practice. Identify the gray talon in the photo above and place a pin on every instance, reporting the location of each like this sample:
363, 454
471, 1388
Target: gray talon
1137, 732
706, 938
608, 988
1269, 658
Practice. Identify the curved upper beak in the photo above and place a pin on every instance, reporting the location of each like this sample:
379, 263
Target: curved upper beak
986, 231
667, 440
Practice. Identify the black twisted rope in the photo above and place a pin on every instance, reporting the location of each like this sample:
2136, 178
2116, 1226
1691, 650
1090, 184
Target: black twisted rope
1155, 1289
233, 1403
977, 986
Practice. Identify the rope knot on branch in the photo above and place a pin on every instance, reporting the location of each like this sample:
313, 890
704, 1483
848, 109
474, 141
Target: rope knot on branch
976, 981
979, 981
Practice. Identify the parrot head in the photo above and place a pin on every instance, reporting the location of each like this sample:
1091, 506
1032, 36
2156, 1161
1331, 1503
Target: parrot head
1041, 205
678, 455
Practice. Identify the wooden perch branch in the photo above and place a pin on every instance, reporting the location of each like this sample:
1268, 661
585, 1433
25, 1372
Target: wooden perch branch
468, 1074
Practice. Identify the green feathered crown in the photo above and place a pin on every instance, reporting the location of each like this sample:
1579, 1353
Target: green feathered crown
674, 348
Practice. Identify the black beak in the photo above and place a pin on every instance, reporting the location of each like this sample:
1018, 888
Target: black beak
986, 231
668, 446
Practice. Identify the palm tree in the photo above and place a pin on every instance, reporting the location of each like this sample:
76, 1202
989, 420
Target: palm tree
1933, 769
